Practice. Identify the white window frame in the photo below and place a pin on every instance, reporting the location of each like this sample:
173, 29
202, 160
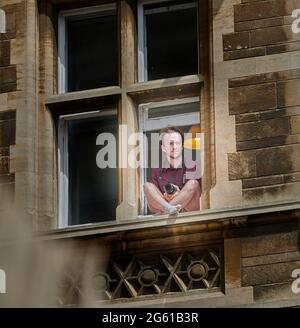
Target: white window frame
146, 125
63, 17
63, 161
142, 42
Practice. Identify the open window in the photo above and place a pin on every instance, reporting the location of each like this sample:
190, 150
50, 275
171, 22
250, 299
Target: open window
88, 192
89, 39
168, 39
88, 48
182, 113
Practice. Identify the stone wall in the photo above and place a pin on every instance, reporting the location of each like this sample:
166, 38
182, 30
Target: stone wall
263, 98
267, 264
20, 85
257, 84
261, 28
8, 87
266, 109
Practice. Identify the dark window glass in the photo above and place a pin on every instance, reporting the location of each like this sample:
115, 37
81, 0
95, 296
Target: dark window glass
92, 52
92, 191
171, 40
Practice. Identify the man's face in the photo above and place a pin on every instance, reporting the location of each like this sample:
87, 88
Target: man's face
172, 145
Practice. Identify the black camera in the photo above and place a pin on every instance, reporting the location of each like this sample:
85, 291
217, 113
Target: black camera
169, 188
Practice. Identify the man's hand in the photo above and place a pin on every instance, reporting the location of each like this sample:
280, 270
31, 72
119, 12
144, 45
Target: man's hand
169, 197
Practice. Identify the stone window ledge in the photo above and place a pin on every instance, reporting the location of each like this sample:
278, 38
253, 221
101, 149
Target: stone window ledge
144, 222
142, 92
196, 299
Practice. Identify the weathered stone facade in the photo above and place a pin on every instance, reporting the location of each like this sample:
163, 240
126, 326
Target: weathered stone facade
8, 88
250, 217
261, 28
266, 109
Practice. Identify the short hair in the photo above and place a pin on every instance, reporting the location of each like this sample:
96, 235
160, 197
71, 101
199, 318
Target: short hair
170, 129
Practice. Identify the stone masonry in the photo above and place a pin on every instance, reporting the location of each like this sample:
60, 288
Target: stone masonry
8, 86
261, 28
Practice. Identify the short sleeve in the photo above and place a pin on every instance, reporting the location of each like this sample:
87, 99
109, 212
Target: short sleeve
154, 177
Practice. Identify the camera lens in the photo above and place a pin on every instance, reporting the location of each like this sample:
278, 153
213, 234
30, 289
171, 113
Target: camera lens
169, 188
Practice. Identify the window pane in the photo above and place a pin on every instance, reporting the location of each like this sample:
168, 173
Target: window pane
161, 111
183, 114
171, 40
92, 191
160, 117
92, 52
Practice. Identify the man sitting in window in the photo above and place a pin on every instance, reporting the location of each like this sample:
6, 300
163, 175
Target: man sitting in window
172, 188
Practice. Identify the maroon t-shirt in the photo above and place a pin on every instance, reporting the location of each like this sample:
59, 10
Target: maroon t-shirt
176, 176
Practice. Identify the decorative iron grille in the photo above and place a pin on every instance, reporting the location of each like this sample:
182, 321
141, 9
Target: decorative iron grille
133, 277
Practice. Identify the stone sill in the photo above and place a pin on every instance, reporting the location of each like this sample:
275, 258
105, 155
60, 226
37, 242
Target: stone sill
142, 92
284, 303
204, 216
80, 95
133, 89
165, 83
157, 90
215, 298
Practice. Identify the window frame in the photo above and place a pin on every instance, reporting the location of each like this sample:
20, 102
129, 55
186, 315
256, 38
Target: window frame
63, 16
127, 96
143, 110
142, 47
63, 161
